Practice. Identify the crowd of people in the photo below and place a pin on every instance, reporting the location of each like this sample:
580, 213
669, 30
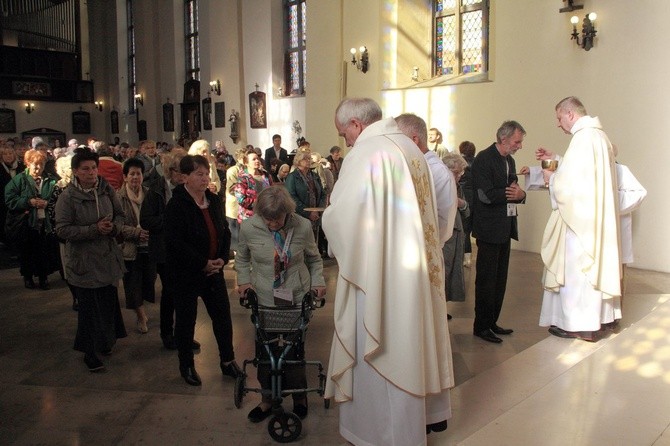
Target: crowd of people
398, 216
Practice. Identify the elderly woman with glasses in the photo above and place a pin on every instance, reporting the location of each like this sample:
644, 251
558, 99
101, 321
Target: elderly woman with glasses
278, 258
27, 196
304, 186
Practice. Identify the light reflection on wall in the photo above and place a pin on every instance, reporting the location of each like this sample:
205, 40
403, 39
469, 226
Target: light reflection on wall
389, 43
434, 105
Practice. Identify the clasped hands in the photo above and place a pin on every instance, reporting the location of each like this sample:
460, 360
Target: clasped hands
213, 266
38, 203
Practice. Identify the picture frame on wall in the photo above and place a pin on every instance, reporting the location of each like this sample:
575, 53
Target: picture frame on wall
257, 110
219, 114
207, 114
7, 120
114, 116
81, 123
168, 117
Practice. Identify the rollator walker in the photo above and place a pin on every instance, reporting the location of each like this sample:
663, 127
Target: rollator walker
280, 342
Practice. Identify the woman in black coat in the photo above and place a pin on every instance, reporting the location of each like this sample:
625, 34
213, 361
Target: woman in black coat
199, 241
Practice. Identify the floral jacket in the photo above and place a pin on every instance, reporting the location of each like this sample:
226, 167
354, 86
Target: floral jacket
246, 191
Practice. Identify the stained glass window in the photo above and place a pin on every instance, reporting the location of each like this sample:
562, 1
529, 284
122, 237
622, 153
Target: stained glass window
295, 40
132, 75
461, 37
192, 44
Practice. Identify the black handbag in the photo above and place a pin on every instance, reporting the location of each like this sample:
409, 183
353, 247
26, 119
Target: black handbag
16, 224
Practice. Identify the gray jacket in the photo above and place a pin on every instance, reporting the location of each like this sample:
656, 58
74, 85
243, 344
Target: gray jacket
254, 261
94, 260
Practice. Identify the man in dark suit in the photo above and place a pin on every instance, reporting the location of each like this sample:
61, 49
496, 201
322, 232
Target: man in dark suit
496, 194
276, 151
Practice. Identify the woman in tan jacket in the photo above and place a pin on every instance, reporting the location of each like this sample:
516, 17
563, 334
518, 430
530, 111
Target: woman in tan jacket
139, 279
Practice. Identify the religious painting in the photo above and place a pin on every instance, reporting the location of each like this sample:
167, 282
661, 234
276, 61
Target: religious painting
207, 114
7, 120
168, 117
219, 114
81, 123
31, 89
114, 116
257, 110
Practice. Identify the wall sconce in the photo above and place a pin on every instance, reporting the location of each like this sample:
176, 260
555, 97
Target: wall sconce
139, 99
30, 107
98, 105
570, 7
215, 86
588, 30
362, 62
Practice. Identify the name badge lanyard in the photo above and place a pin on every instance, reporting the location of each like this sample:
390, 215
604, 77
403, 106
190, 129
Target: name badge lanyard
282, 251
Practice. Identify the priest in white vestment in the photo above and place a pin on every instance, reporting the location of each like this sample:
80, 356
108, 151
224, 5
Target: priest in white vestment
390, 364
581, 247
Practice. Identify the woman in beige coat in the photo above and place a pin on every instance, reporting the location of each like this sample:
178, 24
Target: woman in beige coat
139, 279
278, 258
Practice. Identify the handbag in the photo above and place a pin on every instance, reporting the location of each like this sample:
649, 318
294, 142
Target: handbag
16, 223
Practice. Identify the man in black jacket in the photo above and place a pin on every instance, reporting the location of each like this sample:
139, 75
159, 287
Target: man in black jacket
496, 194
276, 151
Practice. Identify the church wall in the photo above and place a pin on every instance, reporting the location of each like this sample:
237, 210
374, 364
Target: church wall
533, 64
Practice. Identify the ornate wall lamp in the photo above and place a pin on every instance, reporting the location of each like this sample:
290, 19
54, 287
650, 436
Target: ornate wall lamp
215, 86
588, 30
362, 62
30, 107
139, 99
98, 105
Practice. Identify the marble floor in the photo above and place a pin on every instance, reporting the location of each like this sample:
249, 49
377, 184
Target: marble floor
533, 389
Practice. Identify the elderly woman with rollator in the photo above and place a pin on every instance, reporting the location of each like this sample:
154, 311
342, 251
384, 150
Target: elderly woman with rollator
278, 258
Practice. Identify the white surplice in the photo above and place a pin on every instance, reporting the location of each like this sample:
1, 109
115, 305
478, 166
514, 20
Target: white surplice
390, 363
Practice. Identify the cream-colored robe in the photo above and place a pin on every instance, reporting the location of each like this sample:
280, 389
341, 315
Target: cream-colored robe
584, 201
382, 228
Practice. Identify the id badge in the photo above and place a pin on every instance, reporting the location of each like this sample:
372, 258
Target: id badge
511, 209
283, 296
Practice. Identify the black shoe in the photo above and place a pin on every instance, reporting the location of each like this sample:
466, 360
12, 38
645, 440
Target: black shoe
190, 376
301, 410
436, 427
449, 317
28, 283
169, 342
232, 369
501, 331
488, 335
44, 284
257, 414
195, 345
93, 363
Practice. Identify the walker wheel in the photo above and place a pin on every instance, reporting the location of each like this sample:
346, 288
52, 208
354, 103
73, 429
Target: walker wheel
285, 428
240, 382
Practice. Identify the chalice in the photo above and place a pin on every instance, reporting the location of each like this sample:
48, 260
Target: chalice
550, 165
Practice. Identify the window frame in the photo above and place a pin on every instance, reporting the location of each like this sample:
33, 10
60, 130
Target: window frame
131, 57
459, 11
191, 40
300, 50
